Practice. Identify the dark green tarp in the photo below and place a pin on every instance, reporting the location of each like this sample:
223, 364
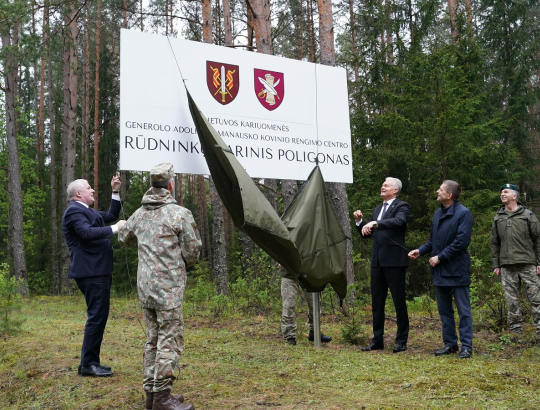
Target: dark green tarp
307, 241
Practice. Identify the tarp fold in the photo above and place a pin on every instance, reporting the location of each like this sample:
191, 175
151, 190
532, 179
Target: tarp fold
307, 241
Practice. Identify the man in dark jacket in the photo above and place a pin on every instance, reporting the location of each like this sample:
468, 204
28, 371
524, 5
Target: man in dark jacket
515, 253
88, 240
451, 267
387, 225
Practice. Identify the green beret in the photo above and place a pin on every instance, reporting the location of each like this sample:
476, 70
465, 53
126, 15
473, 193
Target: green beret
162, 172
510, 186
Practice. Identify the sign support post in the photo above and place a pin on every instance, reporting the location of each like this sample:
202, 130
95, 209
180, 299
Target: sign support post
316, 321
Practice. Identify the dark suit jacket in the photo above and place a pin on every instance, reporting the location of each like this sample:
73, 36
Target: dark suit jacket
390, 233
449, 240
87, 238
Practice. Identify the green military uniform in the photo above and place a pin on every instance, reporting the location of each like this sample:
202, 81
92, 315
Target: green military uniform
289, 293
168, 242
515, 249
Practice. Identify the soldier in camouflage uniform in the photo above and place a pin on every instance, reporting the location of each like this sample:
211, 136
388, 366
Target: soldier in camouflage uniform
515, 253
289, 293
168, 243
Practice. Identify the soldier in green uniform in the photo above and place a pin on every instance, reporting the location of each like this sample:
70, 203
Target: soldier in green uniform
515, 254
168, 242
289, 291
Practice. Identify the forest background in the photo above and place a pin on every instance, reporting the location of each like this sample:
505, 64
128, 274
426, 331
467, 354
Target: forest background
437, 90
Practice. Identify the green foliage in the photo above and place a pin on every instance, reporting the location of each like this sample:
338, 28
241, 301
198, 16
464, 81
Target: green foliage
422, 305
10, 300
354, 331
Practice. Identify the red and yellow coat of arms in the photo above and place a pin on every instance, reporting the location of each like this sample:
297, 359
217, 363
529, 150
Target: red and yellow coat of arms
269, 88
223, 81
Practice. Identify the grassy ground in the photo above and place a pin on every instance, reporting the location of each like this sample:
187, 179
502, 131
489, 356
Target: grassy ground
243, 363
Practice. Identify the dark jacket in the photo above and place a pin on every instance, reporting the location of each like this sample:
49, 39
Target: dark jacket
389, 235
87, 238
514, 238
449, 240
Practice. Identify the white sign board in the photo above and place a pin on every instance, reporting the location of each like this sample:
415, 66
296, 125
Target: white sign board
277, 115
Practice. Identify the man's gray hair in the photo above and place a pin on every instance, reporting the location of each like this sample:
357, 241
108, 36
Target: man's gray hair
453, 188
74, 186
161, 184
397, 184
516, 193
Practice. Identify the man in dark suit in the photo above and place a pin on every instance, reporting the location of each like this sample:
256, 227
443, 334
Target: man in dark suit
91, 265
387, 226
451, 268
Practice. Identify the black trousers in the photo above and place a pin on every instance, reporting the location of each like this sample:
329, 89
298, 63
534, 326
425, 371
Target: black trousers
382, 279
97, 293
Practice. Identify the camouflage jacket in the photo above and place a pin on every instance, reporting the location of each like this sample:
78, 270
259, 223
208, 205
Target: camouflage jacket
515, 238
168, 241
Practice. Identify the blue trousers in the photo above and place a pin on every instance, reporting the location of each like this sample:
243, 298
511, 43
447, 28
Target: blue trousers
446, 311
97, 293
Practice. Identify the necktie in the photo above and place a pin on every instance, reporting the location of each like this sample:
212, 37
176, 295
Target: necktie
383, 210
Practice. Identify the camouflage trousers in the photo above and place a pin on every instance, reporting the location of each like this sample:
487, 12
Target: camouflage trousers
289, 293
164, 345
511, 278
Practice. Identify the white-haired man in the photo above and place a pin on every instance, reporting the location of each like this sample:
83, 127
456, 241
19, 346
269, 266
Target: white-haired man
387, 226
88, 239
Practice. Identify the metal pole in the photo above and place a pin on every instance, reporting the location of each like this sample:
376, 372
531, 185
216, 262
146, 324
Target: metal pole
316, 321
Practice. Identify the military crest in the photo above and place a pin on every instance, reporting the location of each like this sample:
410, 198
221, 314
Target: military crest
269, 88
223, 81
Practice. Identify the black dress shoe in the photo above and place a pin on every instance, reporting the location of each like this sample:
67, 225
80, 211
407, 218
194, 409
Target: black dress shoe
446, 350
103, 367
399, 348
95, 371
324, 338
373, 346
465, 353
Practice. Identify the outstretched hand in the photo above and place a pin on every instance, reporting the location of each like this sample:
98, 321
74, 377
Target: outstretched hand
414, 254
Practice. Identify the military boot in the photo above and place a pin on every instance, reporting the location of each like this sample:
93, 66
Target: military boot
164, 400
324, 338
150, 399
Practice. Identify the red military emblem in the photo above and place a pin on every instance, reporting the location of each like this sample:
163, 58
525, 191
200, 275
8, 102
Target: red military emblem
223, 81
269, 88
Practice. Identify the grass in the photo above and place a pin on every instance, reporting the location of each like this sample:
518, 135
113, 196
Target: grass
241, 362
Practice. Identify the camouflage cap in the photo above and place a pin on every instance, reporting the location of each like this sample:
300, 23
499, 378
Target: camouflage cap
162, 172
510, 186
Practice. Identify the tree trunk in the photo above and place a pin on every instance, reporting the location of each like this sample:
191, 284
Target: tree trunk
227, 23
124, 15
70, 121
353, 40
250, 26
468, 11
311, 37
41, 100
300, 33
219, 260
452, 11
85, 107
336, 191
56, 284
141, 17
96, 108
389, 40
15, 210
200, 201
288, 191
207, 21
262, 25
